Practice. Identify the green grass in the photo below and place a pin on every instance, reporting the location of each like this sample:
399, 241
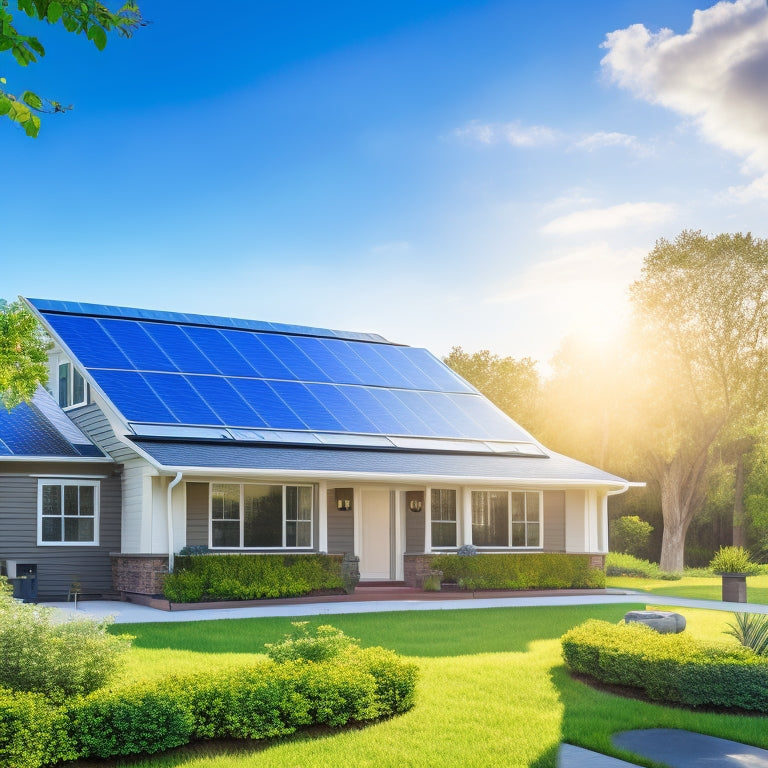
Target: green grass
696, 587
493, 691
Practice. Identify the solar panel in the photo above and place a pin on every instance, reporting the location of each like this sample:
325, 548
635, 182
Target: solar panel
238, 375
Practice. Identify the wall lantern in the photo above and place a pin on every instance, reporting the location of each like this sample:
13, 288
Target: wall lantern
414, 500
343, 504
344, 498
416, 505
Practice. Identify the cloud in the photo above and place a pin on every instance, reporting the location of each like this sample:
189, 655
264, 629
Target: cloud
514, 133
623, 216
715, 74
606, 139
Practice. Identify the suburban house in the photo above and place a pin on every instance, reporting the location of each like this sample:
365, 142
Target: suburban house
255, 438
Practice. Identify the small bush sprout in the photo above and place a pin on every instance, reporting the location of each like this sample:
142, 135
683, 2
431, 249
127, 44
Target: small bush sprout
751, 630
325, 643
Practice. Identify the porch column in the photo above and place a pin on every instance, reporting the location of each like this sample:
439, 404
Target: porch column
427, 520
466, 516
322, 516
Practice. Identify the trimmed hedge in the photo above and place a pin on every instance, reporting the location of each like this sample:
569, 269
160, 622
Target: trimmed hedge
673, 668
259, 701
520, 571
251, 577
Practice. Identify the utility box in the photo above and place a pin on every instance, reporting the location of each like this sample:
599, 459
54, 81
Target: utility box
25, 582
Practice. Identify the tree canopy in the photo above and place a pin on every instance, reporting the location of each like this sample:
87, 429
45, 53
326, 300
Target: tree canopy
87, 17
23, 354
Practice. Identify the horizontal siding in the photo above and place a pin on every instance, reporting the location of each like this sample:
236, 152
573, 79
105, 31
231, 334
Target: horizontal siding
57, 567
95, 424
133, 501
341, 528
554, 521
197, 514
414, 531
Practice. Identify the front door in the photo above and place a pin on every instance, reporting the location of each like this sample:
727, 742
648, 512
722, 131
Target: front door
375, 535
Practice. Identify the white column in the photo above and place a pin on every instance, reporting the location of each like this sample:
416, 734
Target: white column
427, 519
466, 515
322, 516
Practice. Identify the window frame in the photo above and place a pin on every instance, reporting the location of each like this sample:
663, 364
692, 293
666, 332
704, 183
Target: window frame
72, 375
454, 522
63, 483
284, 518
525, 522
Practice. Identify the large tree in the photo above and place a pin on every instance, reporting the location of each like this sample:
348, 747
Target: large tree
23, 354
87, 17
700, 356
512, 385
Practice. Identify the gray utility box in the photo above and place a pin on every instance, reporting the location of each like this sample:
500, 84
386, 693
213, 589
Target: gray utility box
23, 578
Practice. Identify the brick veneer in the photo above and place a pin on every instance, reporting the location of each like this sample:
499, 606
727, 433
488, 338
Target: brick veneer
139, 574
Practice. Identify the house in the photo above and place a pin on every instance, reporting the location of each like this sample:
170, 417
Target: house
253, 437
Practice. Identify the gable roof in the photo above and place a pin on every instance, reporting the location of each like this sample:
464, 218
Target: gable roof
40, 430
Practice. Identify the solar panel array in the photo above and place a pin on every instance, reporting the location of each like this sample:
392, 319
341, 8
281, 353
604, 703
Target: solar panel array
220, 372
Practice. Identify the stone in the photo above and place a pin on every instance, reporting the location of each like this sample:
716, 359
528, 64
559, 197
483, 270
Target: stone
665, 622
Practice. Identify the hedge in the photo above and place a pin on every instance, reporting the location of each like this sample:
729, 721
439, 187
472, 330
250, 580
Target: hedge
258, 701
520, 571
250, 577
674, 668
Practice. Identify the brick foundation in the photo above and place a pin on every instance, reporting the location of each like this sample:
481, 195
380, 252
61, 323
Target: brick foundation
139, 574
416, 568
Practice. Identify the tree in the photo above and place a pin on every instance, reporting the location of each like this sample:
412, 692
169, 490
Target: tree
512, 385
88, 17
700, 353
23, 354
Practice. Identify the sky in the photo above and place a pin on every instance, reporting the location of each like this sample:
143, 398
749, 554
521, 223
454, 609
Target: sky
482, 174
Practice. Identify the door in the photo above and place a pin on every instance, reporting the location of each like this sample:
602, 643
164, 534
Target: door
375, 536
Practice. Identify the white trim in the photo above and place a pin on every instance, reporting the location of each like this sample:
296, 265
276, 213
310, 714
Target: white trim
322, 516
73, 477
508, 547
64, 482
61, 459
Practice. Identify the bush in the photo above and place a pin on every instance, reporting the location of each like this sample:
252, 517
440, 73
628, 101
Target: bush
733, 560
33, 731
39, 653
751, 630
326, 643
251, 577
524, 571
674, 668
629, 535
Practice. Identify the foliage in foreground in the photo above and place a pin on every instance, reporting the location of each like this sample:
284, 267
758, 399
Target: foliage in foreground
40, 654
259, 700
239, 577
751, 630
622, 564
23, 352
672, 668
512, 571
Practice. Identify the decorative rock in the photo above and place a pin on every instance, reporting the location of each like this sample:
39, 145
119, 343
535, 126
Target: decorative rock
665, 622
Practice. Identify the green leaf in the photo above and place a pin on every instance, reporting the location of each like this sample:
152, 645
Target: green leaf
32, 126
5, 105
70, 24
99, 37
3, 80
32, 100
36, 45
54, 12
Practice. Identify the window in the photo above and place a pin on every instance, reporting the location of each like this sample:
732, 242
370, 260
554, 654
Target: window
261, 516
68, 512
71, 386
506, 519
443, 517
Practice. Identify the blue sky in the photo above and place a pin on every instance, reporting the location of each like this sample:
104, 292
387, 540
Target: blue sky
484, 174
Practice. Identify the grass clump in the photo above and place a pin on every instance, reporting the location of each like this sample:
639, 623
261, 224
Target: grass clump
673, 668
622, 564
733, 560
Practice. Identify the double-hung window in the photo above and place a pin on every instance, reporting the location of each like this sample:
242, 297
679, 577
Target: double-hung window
443, 511
68, 512
507, 519
261, 516
72, 388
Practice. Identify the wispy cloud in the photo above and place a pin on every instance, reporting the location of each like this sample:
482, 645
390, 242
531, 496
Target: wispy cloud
715, 74
514, 133
623, 216
608, 139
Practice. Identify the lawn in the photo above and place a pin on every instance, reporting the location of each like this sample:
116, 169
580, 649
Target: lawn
493, 691
696, 587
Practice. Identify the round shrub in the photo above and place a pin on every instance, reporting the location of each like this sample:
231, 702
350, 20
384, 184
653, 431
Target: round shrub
733, 560
325, 643
629, 534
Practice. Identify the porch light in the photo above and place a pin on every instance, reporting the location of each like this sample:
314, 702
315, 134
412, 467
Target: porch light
416, 505
344, 504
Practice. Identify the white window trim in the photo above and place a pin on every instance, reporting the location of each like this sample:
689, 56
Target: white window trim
60, 481
71, 386
508, 546
455, 523
241, 520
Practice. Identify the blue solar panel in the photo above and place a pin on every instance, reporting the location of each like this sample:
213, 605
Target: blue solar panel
168, 368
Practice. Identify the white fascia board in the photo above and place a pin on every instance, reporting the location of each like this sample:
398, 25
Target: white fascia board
393, 478
61, 459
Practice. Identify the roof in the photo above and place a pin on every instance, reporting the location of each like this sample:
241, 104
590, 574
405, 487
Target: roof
40, 429
346, 462
180, 375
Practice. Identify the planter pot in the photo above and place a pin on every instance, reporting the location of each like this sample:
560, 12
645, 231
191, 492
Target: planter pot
734, 587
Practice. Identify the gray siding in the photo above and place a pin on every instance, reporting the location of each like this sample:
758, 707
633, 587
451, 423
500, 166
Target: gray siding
341, 528
96, 425
554, 521
414, 531
59, 566
197, 514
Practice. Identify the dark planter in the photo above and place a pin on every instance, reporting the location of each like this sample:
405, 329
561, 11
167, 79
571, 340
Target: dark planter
734, 587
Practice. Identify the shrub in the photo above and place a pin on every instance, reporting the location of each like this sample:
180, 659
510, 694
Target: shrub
33, 731
733, 560
524, 571
39, 653
326, 643
630, 534
751, 630
250, 577
673, 668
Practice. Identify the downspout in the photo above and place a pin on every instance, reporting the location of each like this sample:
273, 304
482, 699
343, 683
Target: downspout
169, 510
